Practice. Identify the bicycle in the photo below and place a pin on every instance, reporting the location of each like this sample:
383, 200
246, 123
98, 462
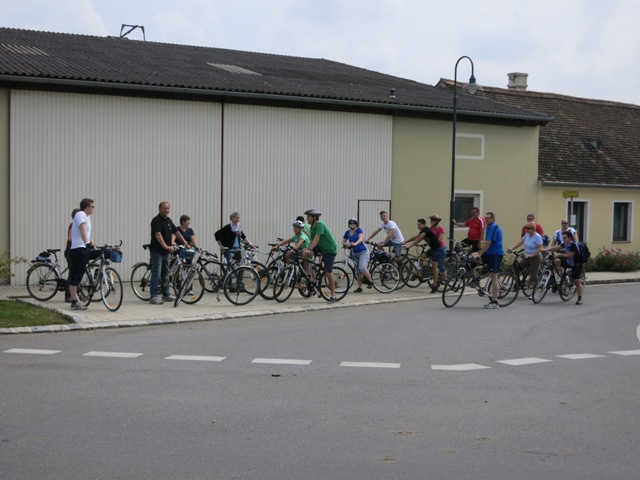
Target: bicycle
274, 264
523, 273
412, 273
550, 280
385, 275
141, 272
473, 274
239, 282
100, 276
296, 277
44, 278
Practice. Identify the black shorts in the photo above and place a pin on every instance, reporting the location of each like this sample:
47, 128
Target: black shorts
576, 270
79, 258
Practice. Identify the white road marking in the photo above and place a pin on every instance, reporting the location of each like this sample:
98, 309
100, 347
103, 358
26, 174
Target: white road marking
523, 361
281, 361
459, 368
627, 352
32, 351
196, 358
581, 356
113, 354
370, 365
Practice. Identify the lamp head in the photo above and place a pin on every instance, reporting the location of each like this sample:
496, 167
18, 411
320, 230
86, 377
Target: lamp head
472, 86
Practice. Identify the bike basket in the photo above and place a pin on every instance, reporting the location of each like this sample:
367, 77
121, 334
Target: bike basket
115, 256
44, 257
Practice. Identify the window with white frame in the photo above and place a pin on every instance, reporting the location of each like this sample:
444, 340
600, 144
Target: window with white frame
621, 222
465, 201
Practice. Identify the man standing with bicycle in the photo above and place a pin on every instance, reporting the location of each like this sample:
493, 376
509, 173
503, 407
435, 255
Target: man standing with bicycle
163, 233
569, 258
477, 228
322, 244
79, 253
492, 253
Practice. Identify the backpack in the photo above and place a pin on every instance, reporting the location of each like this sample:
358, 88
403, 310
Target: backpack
583, 252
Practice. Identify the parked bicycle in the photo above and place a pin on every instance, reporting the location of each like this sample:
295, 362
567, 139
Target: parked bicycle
239, 282
44, 278
102, 277
473, 274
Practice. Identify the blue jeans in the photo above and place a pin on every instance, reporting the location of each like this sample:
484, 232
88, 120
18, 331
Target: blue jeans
160, 272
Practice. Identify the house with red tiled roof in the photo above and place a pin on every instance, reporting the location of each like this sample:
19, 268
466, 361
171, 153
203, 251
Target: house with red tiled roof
130, 123
588, 162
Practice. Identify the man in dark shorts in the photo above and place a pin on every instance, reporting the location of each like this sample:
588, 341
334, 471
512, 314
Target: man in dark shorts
322, 243
570, 258
437, 250
79, 251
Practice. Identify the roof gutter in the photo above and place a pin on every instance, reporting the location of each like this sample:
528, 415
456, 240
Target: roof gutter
269, 97
545, 183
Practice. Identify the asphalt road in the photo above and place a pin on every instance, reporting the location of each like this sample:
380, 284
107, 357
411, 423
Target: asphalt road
407, 390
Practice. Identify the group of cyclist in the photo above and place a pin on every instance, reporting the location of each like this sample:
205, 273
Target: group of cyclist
313, 240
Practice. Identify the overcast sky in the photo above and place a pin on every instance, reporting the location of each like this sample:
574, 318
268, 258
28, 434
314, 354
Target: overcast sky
588, 48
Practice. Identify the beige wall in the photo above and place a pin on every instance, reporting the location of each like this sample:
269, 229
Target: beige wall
504, 175
599, 221
4, 171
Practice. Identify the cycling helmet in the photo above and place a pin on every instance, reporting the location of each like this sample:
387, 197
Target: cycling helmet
313, 212
435, 217
298, 224
353, 220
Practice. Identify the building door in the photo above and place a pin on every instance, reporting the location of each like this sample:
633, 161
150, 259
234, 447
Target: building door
577, 215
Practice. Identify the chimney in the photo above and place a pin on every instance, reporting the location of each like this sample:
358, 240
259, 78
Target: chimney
517, 81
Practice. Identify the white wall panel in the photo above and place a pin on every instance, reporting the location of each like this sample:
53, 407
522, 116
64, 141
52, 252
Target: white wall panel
127, 154
279, 162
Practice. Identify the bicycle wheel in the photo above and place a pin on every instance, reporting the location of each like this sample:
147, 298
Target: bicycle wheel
348, 267
507, 288
213, 273
526, 285
453, 290
567, 289
283, 284
141, 281
409, 274
111, 289
543, 286
87, 286
341, 283
267, 281
42, 281
241, 285
386, 277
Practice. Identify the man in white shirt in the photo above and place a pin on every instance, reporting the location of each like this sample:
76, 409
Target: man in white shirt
394, 236
79, 253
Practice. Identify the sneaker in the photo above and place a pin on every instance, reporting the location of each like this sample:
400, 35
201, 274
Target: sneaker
78, 306
332, 299
157, 300
168, 298
357, 290
491, 305
434, 289
579, 301
369, 286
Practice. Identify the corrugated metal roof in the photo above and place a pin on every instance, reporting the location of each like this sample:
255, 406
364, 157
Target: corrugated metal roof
110, 61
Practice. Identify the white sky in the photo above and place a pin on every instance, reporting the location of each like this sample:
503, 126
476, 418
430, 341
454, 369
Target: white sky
588, 48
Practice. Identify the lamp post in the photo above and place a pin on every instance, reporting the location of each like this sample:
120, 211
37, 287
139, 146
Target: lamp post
471, 87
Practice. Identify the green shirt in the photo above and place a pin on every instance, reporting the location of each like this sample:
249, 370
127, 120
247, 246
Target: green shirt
296, 238
326, 243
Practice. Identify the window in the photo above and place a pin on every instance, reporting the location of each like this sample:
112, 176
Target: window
621, 221
464, 203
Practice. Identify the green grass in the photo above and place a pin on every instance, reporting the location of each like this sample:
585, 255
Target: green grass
19, 314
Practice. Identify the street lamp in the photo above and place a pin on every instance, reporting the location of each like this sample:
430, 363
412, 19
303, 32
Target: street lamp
471, 87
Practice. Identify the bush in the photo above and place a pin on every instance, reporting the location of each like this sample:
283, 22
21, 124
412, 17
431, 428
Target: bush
5, 265
614, 260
